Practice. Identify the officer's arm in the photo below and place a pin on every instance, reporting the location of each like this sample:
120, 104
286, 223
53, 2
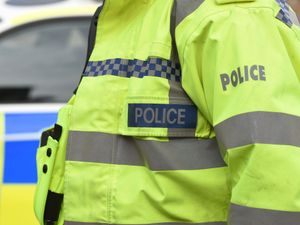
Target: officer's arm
248, 87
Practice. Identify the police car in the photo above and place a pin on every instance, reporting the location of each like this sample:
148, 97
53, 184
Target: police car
42, 53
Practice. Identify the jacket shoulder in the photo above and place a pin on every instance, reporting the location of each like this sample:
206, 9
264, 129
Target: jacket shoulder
222, 2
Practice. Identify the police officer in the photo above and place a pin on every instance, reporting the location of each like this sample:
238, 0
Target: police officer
188, 112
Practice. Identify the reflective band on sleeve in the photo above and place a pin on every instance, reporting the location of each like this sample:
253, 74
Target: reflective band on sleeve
258, 127
284, 17
176, 154
284, 13
178, 223
241, 215
156, 67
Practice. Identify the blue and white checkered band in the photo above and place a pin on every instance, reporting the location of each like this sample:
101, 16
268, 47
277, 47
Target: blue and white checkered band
284, 13
135, 68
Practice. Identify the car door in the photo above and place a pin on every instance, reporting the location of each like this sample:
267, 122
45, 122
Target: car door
40, 66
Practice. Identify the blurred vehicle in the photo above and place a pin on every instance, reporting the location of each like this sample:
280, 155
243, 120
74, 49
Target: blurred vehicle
43, 47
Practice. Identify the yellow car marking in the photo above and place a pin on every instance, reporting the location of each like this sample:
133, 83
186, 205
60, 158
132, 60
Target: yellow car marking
16, 205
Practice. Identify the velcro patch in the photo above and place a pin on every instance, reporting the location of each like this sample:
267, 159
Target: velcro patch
162, 115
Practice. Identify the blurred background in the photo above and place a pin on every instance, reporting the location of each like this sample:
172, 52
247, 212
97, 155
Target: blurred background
295, 4
43, 46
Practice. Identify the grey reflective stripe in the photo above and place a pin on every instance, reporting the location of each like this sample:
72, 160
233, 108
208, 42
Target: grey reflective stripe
284, 17
156, 67
284, 13
178, 96
258, 127
241, 215
185, 8
178, 223
176, 154
294, 18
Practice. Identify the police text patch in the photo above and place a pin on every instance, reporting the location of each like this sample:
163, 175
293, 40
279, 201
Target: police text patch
162, 115
243, 74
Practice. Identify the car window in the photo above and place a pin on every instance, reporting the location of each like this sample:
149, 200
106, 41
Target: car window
42, 62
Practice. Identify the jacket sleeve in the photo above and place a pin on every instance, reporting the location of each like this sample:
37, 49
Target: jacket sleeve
246, 81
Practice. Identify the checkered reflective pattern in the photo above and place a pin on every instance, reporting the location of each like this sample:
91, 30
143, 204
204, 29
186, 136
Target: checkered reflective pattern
135, 68
284, 13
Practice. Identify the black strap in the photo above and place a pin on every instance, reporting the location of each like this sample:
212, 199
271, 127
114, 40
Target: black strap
92, 33
52, 208
92, 37
54, 132
57, 132
44, 137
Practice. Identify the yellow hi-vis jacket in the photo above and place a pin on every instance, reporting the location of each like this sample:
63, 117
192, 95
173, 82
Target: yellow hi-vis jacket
188, 112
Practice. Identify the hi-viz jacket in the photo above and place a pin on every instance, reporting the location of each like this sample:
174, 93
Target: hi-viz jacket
188, 112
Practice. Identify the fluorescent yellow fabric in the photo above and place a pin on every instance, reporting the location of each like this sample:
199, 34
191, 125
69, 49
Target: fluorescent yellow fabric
135, 195
44, 177
232, 36
57, 179
140, 36
127, 194
53, 178
239, 63
261, 181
